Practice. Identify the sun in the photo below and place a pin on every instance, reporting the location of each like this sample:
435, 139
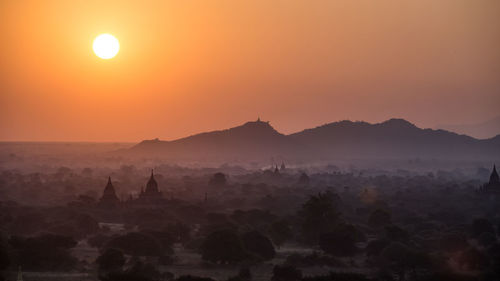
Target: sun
106, 46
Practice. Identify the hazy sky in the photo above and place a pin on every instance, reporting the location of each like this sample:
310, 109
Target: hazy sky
191, 66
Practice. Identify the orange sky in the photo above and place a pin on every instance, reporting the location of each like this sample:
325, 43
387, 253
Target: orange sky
191, 66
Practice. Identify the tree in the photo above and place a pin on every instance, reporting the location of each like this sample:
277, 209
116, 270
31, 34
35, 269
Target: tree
313, 259
138, 272
303, 179
399, 258
256, 218
396, 234
223, 246
4, 252
479, 226
494, 254
243, 275
87, 172
193, 278
180, 231
111, 260
487, 239
340, 242
319, 215
453, 242
280, 232
98, 240
286, 273
165, 238
338, 276
86, 224
379, 218
375, 247
218, 179
46, 252
473, 259
137, 244
258, 244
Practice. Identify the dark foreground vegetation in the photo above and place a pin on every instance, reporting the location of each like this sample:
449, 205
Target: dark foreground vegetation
231, 223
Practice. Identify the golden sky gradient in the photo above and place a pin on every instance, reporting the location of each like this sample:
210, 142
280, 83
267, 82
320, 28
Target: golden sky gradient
191, 66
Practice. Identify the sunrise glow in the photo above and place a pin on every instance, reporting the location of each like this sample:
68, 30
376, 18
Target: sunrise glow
106, 46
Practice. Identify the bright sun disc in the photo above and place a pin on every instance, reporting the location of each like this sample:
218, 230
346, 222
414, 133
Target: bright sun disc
106, 46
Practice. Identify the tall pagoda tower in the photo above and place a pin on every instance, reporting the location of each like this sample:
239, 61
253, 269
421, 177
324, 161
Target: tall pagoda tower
109, 197
152, 191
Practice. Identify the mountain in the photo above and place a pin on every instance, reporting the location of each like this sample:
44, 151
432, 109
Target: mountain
481, 130
252, 140
392, 139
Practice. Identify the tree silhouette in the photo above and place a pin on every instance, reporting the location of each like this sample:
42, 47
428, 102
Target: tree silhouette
375, 247
396, 234
400, 259
258, 244
479, 226
303, 179
453, 242
111, 260
339, 242
218, 179
4, 252
286, 273
379, 218
46, 252
193, 278
137, 244
138, 272
223, 246
338, 276
319, 215
280, 232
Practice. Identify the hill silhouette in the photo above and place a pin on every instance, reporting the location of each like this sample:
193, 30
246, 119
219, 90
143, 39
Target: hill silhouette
258, 140
252, 140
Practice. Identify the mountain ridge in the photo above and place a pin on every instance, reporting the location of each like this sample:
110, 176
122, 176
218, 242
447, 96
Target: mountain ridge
393, 138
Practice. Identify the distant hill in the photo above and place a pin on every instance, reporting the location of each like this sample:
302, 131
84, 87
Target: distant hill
259, 141
483, 130
252, 140
394, 138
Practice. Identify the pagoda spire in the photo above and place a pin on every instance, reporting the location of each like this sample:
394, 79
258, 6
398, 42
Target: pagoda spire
109, 194
494, 175
152, 185
152, 177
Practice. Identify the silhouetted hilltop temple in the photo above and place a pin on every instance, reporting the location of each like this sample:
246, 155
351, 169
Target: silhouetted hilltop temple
151, 192
493, 186
109, 197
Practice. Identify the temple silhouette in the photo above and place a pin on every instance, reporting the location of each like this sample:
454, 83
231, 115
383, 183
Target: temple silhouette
151, 194
493, 186
109, 197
